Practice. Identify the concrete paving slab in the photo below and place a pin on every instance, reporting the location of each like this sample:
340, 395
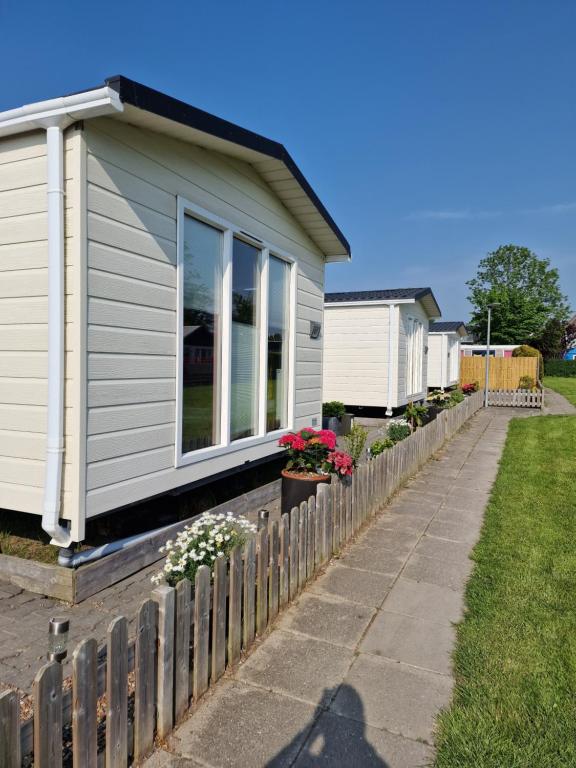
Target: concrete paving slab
358, 586
240, 726
400, 698
300, 666
330, 618
388, 561
418, 642
443, 549
424, 601
434, 571
339, 741
465, 531
386, 539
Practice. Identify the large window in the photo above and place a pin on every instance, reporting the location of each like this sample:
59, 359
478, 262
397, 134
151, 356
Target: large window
278, 318
201, 335
235, 355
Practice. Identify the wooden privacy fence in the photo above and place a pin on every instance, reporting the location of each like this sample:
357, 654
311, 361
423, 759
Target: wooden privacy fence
135, 690
504, 372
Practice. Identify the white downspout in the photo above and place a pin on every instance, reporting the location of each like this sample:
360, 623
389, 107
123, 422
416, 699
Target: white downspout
55, 431
391, 313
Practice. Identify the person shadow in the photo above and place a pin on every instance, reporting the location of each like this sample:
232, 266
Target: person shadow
332, 740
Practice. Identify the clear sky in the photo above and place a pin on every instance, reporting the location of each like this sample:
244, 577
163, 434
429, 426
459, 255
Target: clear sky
433, 131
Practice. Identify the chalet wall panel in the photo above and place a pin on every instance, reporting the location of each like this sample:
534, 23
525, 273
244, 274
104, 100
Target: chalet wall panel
133, 179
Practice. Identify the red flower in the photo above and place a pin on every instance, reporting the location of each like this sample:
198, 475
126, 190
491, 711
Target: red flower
328, 438
298, 443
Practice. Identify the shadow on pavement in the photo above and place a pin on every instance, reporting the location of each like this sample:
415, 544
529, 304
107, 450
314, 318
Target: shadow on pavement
332, 740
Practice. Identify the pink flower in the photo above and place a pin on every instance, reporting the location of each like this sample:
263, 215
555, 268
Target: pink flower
342, 462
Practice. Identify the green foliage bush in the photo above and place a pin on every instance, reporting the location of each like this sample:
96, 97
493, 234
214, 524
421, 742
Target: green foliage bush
561, 368
334, 408
379, 446
398, 431
456, 396
355, 442
527, 382
414, 414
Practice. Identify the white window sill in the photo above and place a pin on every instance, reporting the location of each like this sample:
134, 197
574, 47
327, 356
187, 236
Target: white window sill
204, 454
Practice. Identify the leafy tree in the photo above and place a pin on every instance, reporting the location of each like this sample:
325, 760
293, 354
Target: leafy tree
527, 290
552, 342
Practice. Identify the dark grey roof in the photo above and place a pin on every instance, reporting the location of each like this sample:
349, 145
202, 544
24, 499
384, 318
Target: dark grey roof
447, 326
423, 295
386, 295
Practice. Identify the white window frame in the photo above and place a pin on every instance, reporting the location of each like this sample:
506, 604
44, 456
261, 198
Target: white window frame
230, 231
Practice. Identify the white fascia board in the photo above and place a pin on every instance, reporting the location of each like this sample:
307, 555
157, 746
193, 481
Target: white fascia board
343, 257
60, 111
378, 303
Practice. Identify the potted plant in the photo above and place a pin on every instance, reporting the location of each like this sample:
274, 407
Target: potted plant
312, 459
332, 414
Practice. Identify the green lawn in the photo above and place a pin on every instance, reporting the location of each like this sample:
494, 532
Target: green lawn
564, 385
515, 701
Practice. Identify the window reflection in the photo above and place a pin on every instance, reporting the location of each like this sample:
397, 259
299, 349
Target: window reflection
200, 334
245, 346
277, 375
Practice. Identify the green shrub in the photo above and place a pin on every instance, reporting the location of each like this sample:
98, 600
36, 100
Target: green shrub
561, 368
379, 446
355, 442
525, 350
398, 431
456, 396
527, 382
414, 414
333, 409
438, 398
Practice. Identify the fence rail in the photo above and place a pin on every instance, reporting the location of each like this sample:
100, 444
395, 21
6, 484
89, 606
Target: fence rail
504, 372
188, 636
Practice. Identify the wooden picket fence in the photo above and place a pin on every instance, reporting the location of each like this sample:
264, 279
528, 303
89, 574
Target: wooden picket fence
516, 398
132, 691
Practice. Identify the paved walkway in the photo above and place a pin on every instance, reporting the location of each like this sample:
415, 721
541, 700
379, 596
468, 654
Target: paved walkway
356, 671
556, 404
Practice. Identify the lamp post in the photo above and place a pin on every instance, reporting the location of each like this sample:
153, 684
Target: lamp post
487, 378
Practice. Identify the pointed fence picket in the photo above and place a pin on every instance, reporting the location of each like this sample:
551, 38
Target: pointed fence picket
186, 637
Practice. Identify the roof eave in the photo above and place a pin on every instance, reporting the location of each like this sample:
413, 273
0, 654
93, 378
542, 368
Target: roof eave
228, 134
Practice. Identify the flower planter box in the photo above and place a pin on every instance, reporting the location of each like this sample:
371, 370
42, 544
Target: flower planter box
298, 488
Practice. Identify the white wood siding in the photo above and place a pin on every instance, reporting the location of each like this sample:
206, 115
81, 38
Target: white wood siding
133, 179
356, 355
23, 320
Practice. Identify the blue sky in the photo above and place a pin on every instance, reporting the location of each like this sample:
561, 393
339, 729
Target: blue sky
432, 131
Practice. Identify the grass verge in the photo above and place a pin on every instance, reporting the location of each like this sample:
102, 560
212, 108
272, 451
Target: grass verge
563, 385
515, 701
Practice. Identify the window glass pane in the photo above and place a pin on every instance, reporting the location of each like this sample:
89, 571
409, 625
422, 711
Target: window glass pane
278, 314
244, 363
200, 335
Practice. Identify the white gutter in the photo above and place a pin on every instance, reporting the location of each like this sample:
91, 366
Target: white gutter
391, 312
54, 116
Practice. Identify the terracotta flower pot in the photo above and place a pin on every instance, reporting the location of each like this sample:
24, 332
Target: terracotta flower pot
298, 487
